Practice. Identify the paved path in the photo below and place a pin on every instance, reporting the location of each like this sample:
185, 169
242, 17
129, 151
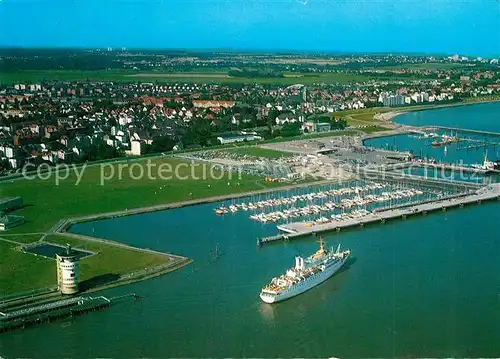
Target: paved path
12, 242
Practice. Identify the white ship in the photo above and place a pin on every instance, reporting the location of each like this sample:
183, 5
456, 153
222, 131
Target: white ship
306, 274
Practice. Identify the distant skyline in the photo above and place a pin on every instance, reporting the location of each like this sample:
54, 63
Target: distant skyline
468, 27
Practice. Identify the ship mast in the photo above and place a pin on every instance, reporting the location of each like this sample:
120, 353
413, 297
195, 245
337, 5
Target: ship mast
321, 243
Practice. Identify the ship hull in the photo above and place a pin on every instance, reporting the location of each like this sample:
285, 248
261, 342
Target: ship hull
305, 285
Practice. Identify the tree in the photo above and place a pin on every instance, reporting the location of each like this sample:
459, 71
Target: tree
198, 133
338, 125
162, 143
290, 129
100, 150
4, 165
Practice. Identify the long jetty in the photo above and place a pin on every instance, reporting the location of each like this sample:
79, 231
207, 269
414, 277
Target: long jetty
48, 312
298, 229
438, 166
464, 130
387, 174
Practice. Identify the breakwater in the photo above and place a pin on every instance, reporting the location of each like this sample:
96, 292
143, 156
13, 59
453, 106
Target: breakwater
48, 312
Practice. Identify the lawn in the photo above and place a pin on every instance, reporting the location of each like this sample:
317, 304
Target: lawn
426, 66
47, 202
363, 116
371, 129
109, 260
260, 152
21, 272
61, 75
21, 238
310, 136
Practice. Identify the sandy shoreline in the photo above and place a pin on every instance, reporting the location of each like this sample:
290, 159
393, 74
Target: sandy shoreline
388, 116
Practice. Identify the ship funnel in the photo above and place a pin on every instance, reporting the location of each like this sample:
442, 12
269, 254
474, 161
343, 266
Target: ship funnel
297, 262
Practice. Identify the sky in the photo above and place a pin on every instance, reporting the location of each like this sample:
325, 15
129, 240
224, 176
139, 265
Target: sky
470, 27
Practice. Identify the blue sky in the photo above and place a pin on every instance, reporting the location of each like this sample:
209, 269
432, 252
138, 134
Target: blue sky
432, 26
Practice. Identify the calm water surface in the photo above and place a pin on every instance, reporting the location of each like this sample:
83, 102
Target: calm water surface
427, 286
484, 117
421, 147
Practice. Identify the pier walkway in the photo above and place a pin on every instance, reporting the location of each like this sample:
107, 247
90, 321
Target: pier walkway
465, 130
438, 166
386, 175
298, 229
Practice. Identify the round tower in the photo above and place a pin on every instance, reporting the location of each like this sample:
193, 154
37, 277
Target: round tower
67, 271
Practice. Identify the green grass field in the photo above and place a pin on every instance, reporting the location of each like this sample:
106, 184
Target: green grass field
21, 238
23, 272
188, 77
108, 259
310, 136
46, 203
16, 267
372, 129
259, 152
427, 66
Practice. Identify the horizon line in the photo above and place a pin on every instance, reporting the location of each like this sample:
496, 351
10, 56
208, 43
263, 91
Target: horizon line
244, 50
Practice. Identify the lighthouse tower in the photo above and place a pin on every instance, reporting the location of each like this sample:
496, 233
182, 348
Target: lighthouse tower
67, 271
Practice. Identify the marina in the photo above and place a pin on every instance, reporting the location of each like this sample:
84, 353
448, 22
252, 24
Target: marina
343, 204
361, 217
279, 201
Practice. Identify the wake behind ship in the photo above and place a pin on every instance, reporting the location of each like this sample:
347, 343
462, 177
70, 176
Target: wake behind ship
306, 274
